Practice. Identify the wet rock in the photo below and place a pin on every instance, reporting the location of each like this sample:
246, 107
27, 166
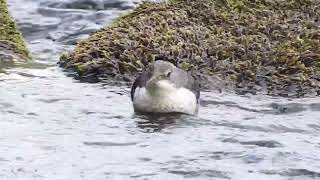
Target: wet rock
265, 46
12, 45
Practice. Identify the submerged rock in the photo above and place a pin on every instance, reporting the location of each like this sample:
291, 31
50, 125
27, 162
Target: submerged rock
12, 45
270, 45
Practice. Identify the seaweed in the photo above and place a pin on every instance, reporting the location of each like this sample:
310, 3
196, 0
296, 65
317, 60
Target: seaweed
248, 45
12, 44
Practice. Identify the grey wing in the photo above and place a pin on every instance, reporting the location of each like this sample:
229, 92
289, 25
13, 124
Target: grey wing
187, 80
140, 81
194, 84
133, 87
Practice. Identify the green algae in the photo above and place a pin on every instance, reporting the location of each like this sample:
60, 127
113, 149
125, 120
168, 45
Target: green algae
249, 45
11, 40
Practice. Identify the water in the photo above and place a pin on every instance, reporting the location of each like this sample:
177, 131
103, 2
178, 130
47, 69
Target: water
53, 127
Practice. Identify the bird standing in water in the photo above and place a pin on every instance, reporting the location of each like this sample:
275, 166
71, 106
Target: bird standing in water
164, 88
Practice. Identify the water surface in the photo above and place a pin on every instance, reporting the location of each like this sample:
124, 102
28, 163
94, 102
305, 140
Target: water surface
54, 127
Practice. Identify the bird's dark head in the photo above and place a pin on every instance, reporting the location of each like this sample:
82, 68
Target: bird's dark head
159, 74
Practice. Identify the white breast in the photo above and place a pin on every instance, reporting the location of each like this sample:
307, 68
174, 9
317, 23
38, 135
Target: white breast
165, 99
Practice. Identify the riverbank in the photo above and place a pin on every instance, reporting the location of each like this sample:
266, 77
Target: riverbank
12, 45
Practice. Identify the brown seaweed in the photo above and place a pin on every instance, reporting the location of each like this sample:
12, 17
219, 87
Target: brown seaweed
249, 45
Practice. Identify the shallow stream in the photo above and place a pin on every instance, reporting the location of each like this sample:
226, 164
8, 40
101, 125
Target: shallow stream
56, 128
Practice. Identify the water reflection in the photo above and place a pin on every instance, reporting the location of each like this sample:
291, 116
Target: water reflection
156, 122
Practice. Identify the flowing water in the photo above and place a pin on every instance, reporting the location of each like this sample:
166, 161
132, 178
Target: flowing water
56, 128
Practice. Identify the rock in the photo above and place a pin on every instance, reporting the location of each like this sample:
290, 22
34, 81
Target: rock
270, 46
12, 45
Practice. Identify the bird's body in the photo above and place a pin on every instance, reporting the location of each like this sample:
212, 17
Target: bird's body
164, 88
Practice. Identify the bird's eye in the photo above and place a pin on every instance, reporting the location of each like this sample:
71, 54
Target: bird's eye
168, 74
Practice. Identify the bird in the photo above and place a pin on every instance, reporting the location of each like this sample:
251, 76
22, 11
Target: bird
164, 88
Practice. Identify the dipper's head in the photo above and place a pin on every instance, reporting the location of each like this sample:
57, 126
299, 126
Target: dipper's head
160, 75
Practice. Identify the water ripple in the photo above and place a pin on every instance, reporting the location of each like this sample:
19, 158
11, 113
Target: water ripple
102, 144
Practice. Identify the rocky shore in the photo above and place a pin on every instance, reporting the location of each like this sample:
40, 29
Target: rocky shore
270, 46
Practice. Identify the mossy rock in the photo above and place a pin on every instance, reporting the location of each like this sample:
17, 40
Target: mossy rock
249, 45
12, 45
